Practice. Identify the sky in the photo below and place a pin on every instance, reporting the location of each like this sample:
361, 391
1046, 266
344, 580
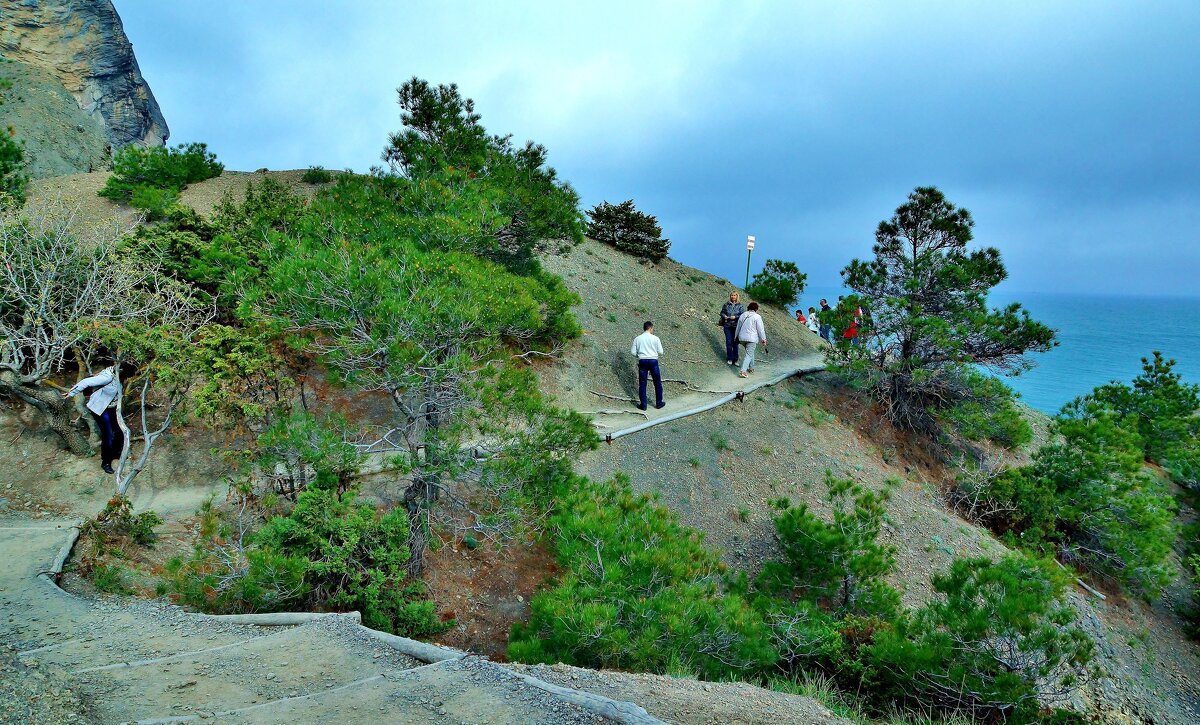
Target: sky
1069, 129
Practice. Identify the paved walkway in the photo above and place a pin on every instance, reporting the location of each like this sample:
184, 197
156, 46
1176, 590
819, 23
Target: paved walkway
149, 662
720, 386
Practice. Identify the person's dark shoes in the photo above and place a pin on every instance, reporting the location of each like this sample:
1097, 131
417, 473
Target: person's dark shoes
660, 405
107, 468
641, 407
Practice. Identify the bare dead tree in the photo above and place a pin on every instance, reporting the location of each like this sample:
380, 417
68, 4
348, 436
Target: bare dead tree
60, 278
166, 372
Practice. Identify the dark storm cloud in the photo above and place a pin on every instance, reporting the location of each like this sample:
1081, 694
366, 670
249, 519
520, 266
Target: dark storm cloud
1067, 128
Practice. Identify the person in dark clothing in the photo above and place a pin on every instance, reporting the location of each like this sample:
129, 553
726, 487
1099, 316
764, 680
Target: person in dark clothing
730, 312
102, 404
648, 348
826, 316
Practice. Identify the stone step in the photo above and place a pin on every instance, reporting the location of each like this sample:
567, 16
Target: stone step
447, 693
294, 662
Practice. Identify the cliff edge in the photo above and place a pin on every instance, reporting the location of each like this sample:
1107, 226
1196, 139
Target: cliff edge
83, 46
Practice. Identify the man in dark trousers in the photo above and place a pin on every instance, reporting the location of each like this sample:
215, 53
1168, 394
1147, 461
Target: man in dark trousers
730, 312
647, 347
826, 317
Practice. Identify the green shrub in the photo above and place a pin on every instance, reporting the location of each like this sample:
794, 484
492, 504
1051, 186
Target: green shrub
356, 559
158, 167
1088, 500
779, 283
638, 592
327, 553
1163, 410
627, 229
997, 641
13, 179
154, 201
986, 410
839, 564
222, 576
172, 246
316, 175
110, 579
117, 521
244, 233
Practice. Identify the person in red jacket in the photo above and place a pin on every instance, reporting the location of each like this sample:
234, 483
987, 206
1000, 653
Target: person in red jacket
851, 332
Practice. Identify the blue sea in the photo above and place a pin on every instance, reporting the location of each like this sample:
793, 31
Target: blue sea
1102, 339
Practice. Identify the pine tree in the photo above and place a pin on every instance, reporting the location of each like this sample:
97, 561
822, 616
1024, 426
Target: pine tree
928, 299
628, 229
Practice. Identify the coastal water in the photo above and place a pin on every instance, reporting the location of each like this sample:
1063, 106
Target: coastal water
1104, 338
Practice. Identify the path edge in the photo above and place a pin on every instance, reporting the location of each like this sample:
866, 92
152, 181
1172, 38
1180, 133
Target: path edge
620, 711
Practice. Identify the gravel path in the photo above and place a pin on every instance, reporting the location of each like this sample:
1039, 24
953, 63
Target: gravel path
75, 660
691, 702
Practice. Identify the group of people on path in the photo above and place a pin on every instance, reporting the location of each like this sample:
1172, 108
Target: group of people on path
744, 332
820, 322
743, 327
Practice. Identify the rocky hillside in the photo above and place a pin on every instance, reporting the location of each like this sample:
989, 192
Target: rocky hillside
79, 46
718, 470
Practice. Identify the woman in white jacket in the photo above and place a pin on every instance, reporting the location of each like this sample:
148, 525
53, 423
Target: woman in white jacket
813, 324
750, 332
102, 404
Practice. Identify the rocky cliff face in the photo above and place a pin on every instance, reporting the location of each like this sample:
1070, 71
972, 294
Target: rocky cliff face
82, 43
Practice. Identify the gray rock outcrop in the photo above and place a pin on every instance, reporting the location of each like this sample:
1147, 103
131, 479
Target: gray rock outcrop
83, 45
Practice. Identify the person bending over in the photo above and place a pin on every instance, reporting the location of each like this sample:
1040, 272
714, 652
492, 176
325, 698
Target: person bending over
102, 404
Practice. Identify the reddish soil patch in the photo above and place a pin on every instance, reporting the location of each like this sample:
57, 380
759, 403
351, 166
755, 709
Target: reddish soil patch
486, 590
857, 411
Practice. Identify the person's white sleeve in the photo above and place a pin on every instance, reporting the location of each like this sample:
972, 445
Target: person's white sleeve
104, 377
762, 330
658, 345
633, 347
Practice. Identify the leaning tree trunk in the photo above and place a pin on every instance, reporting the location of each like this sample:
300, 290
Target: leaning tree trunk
423, 491
417, 498
57, 409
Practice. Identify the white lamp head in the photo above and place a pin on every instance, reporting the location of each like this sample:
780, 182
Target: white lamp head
750, 243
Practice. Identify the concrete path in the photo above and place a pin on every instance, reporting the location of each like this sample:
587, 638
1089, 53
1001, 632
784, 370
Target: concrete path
149, 662
717, 387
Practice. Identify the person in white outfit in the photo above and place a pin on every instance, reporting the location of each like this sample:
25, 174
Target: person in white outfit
648, 348
750, 332
813, 324
102, 404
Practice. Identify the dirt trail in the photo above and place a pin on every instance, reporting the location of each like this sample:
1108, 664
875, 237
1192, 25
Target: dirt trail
709, 390
151, 662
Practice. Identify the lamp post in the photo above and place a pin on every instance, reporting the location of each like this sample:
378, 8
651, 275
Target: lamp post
749, 249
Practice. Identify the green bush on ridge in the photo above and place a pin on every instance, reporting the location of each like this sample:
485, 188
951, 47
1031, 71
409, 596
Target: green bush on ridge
627, 229
316, 175
149, 177
779, 283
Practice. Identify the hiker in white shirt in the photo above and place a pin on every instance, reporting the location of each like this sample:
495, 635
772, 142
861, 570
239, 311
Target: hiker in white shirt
102, 404
647, 347
750, 332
